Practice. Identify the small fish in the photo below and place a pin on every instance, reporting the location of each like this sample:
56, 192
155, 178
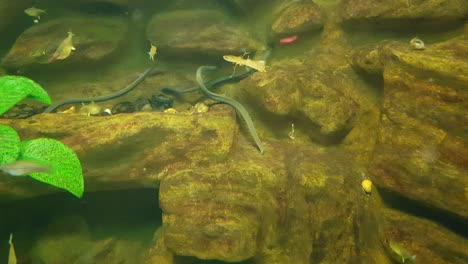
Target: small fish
417, 44
257, 65
24, 167
64, 49
39, 53
12, 253
90, 109
35, 12
71, 110
291, 132
288, 40
401, 254
152, 52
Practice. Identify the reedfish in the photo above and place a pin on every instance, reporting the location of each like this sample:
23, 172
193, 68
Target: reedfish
24, 167
12, 254
64, 49
400, 254
152, 52
35, 12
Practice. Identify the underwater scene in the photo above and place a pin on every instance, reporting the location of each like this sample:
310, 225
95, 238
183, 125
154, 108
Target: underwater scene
233, 131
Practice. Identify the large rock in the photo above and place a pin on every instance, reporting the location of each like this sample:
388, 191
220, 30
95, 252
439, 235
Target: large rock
142, 145
394, 13
295, 17
421, 152
308, 93
199, 33
221, 211
430, 242
96, 39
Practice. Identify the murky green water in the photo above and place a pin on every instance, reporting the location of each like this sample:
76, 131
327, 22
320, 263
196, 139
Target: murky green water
333, 92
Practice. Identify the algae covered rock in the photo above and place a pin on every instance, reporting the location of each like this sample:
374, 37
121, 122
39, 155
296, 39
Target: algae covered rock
143, 144
297, 16
200, 33
368, 59
411, 12
95, 39
221, 211
439, 246
421, 151
304, 92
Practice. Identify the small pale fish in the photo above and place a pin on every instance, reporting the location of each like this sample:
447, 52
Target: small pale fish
71, 110
24, 167
35, 12
90, 109
237, 60
400, 253
39, 53
153, 51
64, 49
291, 132
12, 253
417, 44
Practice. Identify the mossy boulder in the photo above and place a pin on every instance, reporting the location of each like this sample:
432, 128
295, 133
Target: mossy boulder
294, 17
95, 39
199, 33
440, 245
395, 13
304, 92
421, 151
219, 211
143, 144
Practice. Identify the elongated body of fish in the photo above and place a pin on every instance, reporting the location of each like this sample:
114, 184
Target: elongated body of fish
24, 167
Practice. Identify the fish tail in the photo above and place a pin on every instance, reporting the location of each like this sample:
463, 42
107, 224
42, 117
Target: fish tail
54, 57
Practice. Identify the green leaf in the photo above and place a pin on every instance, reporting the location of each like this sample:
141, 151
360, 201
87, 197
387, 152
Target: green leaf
65, 166
15, 88
9, 144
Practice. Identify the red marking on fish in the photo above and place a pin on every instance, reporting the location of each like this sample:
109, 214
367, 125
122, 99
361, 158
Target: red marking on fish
288, 40
55, 56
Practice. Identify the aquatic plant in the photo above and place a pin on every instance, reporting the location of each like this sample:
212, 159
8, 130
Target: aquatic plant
66, 172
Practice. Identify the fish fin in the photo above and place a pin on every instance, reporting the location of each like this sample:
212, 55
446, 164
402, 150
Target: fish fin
73, 48
54, 57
